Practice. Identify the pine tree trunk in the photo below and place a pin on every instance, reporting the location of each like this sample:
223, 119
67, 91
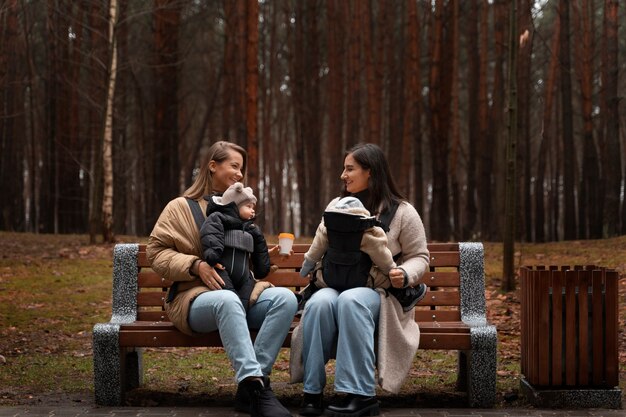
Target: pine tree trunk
569, 151
612, 159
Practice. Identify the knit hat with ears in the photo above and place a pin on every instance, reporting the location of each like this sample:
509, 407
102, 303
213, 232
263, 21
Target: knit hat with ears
238, 194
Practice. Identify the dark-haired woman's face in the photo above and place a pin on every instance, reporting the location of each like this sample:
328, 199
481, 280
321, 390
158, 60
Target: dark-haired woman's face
354, 176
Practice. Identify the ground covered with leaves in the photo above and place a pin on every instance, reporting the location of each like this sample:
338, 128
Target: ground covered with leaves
54, 288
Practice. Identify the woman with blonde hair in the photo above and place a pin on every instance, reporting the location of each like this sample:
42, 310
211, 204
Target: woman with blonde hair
197, 303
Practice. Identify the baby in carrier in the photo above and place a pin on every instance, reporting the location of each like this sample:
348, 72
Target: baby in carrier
229, 237
349, 241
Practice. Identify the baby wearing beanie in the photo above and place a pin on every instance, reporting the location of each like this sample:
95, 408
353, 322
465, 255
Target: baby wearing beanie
230, 238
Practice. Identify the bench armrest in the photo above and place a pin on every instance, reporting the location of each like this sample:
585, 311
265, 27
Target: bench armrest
125, 269
472, 287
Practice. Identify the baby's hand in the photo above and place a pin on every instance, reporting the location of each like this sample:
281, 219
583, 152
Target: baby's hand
396, 276
274, 253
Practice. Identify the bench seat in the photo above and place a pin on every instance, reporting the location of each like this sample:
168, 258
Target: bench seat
452, 316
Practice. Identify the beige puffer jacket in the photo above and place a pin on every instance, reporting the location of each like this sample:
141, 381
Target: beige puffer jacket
174, 245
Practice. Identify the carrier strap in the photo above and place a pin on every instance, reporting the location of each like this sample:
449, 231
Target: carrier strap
199, 218
386, 217
196, 211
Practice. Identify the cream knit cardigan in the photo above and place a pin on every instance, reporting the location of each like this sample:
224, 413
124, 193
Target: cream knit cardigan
398, 333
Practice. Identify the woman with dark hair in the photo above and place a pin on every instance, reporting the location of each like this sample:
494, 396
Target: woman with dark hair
197, 303
348, 322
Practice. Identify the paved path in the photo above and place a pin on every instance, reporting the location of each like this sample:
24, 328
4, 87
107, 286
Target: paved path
68, 411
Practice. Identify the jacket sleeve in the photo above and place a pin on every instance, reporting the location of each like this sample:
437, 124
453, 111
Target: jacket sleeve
260, 256
374, 243
212, 238
165, 251
412, 239
319, 245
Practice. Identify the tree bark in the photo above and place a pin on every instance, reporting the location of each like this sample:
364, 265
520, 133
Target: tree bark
485, 138
508, 263
473, 71
547, 137
252, 81
569, 150
589, 207
107, 148
439, 97
166, 136
612, 159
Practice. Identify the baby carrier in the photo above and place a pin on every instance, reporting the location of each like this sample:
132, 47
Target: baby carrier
344, 265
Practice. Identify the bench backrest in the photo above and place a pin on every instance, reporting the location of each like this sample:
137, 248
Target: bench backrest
455, 281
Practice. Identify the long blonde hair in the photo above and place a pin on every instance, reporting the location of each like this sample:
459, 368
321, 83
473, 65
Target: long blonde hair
218, 152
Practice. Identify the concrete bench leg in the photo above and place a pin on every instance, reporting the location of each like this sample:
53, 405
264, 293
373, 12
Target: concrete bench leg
115, 370
107, 369
482, 362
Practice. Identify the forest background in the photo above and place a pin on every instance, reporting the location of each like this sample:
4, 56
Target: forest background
106, 109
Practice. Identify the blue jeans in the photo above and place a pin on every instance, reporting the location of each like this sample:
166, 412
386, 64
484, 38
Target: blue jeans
272, 315
347, 320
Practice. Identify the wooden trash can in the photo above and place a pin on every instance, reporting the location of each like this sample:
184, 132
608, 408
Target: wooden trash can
569, 335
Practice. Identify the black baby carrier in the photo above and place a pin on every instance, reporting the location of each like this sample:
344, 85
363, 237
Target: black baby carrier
344, 265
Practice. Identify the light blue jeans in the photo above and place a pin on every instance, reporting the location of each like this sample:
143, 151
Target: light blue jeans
272, 315
347, 320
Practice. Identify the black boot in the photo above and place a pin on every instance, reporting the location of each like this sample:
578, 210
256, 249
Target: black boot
354, 405
409, 296
261, 399
312, 405
242, 397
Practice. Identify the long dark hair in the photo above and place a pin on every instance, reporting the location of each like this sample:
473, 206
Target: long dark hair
383, 191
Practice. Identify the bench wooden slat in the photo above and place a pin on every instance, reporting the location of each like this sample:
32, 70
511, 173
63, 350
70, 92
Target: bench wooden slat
287, 279
441, 259
445, 341
445, 327
443, 247
165, 338
150, 298
294, 261
153, 316
441, 298
436, 315
141, 334
442, 279
149, 279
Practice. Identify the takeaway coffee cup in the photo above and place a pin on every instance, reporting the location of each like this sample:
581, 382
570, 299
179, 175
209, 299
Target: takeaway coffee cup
285, 240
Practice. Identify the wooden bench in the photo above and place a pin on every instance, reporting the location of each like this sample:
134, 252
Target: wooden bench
452, 316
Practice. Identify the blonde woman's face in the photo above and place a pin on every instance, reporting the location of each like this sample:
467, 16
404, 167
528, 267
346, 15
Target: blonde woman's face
354, 177
226, 173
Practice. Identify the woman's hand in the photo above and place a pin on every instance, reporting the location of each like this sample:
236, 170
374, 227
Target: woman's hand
275, 255
209, 275
396, 276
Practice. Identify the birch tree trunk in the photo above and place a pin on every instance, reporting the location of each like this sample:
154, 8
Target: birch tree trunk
107, 142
